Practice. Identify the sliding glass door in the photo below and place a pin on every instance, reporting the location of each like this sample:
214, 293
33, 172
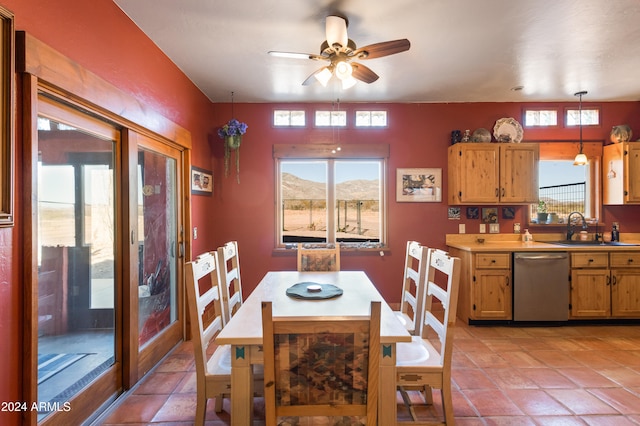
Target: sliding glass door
108, 246
76, 245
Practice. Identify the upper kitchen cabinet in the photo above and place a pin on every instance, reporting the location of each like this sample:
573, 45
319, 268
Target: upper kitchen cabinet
621, 173
493, 173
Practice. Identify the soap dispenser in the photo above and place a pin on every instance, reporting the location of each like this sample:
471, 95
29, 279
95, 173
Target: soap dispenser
527, 237
615, 233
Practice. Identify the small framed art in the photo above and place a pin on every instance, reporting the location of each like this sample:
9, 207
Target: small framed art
201, 181
419, 185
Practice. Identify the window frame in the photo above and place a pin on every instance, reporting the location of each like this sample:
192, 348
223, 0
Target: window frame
540, 109
563, 150
565, 116
324, 152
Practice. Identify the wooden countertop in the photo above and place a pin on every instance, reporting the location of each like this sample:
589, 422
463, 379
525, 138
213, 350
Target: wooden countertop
513, 243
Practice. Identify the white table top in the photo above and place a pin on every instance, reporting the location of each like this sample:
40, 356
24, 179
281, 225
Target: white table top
245, 328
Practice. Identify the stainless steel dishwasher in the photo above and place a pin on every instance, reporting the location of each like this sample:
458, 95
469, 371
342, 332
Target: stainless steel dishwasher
541, 286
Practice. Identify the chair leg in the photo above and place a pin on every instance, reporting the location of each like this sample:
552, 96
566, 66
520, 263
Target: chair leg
219, 401
447, 404
407, 403
201, 408
428, 395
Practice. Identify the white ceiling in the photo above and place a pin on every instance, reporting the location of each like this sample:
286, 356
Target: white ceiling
461, 50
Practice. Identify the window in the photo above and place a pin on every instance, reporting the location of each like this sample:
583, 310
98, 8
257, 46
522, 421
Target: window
540, 117
331, 118
331, 197
371, 118
563, 187
590, 117
284, 118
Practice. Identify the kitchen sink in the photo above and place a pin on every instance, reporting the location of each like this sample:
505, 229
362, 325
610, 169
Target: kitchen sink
588, 243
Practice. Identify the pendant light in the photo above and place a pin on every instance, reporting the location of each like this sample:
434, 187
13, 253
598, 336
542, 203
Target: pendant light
581, 158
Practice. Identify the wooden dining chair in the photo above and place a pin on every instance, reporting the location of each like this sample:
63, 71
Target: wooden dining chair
425, 363
318, 259
213, 373
230, 282
324, 368
415, 273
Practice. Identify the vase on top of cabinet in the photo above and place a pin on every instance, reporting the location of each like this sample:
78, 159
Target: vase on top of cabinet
491, 173
621, 173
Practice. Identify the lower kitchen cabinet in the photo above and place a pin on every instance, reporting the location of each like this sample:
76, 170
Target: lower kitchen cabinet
605, 285
625, 284
485, 286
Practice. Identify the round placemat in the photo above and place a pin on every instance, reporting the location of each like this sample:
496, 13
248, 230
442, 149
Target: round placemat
327, 291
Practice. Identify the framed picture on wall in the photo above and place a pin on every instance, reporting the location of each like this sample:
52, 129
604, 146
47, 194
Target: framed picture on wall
7, 44
201, 181
419, 185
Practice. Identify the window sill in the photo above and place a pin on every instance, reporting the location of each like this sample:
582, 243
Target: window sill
347, 251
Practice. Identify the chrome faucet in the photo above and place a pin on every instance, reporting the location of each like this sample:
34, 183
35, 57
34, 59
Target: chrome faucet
570, 230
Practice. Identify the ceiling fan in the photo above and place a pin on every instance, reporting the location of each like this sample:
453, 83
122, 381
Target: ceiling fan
339, 50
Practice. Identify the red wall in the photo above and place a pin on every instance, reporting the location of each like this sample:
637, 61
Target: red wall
101, 38
418, 135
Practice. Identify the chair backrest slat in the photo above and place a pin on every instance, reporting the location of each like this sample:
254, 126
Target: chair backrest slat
205, 310
230, 282
413, 284
447, 294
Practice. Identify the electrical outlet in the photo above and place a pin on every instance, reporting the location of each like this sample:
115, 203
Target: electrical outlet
494, 228
483, 228
195, 232
461, 228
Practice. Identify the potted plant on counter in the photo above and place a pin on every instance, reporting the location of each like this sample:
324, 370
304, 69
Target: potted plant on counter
542, 212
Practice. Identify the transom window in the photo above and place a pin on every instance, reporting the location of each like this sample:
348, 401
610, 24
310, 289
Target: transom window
331, 118
330, 198
590, 117
293, 118
371, 118
540, 117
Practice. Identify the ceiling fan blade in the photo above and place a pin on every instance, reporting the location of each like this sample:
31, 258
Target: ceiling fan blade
363, 73
336, 30
293, 55
378, 50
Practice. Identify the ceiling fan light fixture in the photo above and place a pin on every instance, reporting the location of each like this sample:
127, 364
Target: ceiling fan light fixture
336, 29
323, 76
348, 82
344, 70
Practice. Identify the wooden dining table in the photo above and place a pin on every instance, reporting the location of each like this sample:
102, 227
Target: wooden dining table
244, 331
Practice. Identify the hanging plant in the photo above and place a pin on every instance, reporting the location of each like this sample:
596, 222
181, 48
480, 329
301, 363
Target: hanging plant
232, 133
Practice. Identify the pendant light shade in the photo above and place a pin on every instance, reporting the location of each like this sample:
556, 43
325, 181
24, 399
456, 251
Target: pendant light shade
581, 158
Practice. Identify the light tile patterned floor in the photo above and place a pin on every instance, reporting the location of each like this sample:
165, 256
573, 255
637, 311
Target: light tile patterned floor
575, 375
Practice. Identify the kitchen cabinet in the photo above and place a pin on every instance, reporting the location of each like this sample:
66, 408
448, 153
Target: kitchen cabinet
493, 173
621, 173
605, 285
625, 284
485, 286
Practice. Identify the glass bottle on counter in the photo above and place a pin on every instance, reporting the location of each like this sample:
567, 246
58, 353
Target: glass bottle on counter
615, 233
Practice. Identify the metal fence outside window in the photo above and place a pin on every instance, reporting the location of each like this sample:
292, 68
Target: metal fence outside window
563, 199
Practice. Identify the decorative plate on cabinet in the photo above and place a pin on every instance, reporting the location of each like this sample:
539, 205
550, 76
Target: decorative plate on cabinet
508, 130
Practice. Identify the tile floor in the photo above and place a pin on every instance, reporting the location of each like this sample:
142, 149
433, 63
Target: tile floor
574, 375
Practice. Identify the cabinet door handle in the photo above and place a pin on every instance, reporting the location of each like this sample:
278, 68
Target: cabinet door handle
608, 280
503, 192
497, 192
614, 280
507, 279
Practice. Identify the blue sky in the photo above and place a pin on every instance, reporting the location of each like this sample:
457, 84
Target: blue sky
560, 172
345, 170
